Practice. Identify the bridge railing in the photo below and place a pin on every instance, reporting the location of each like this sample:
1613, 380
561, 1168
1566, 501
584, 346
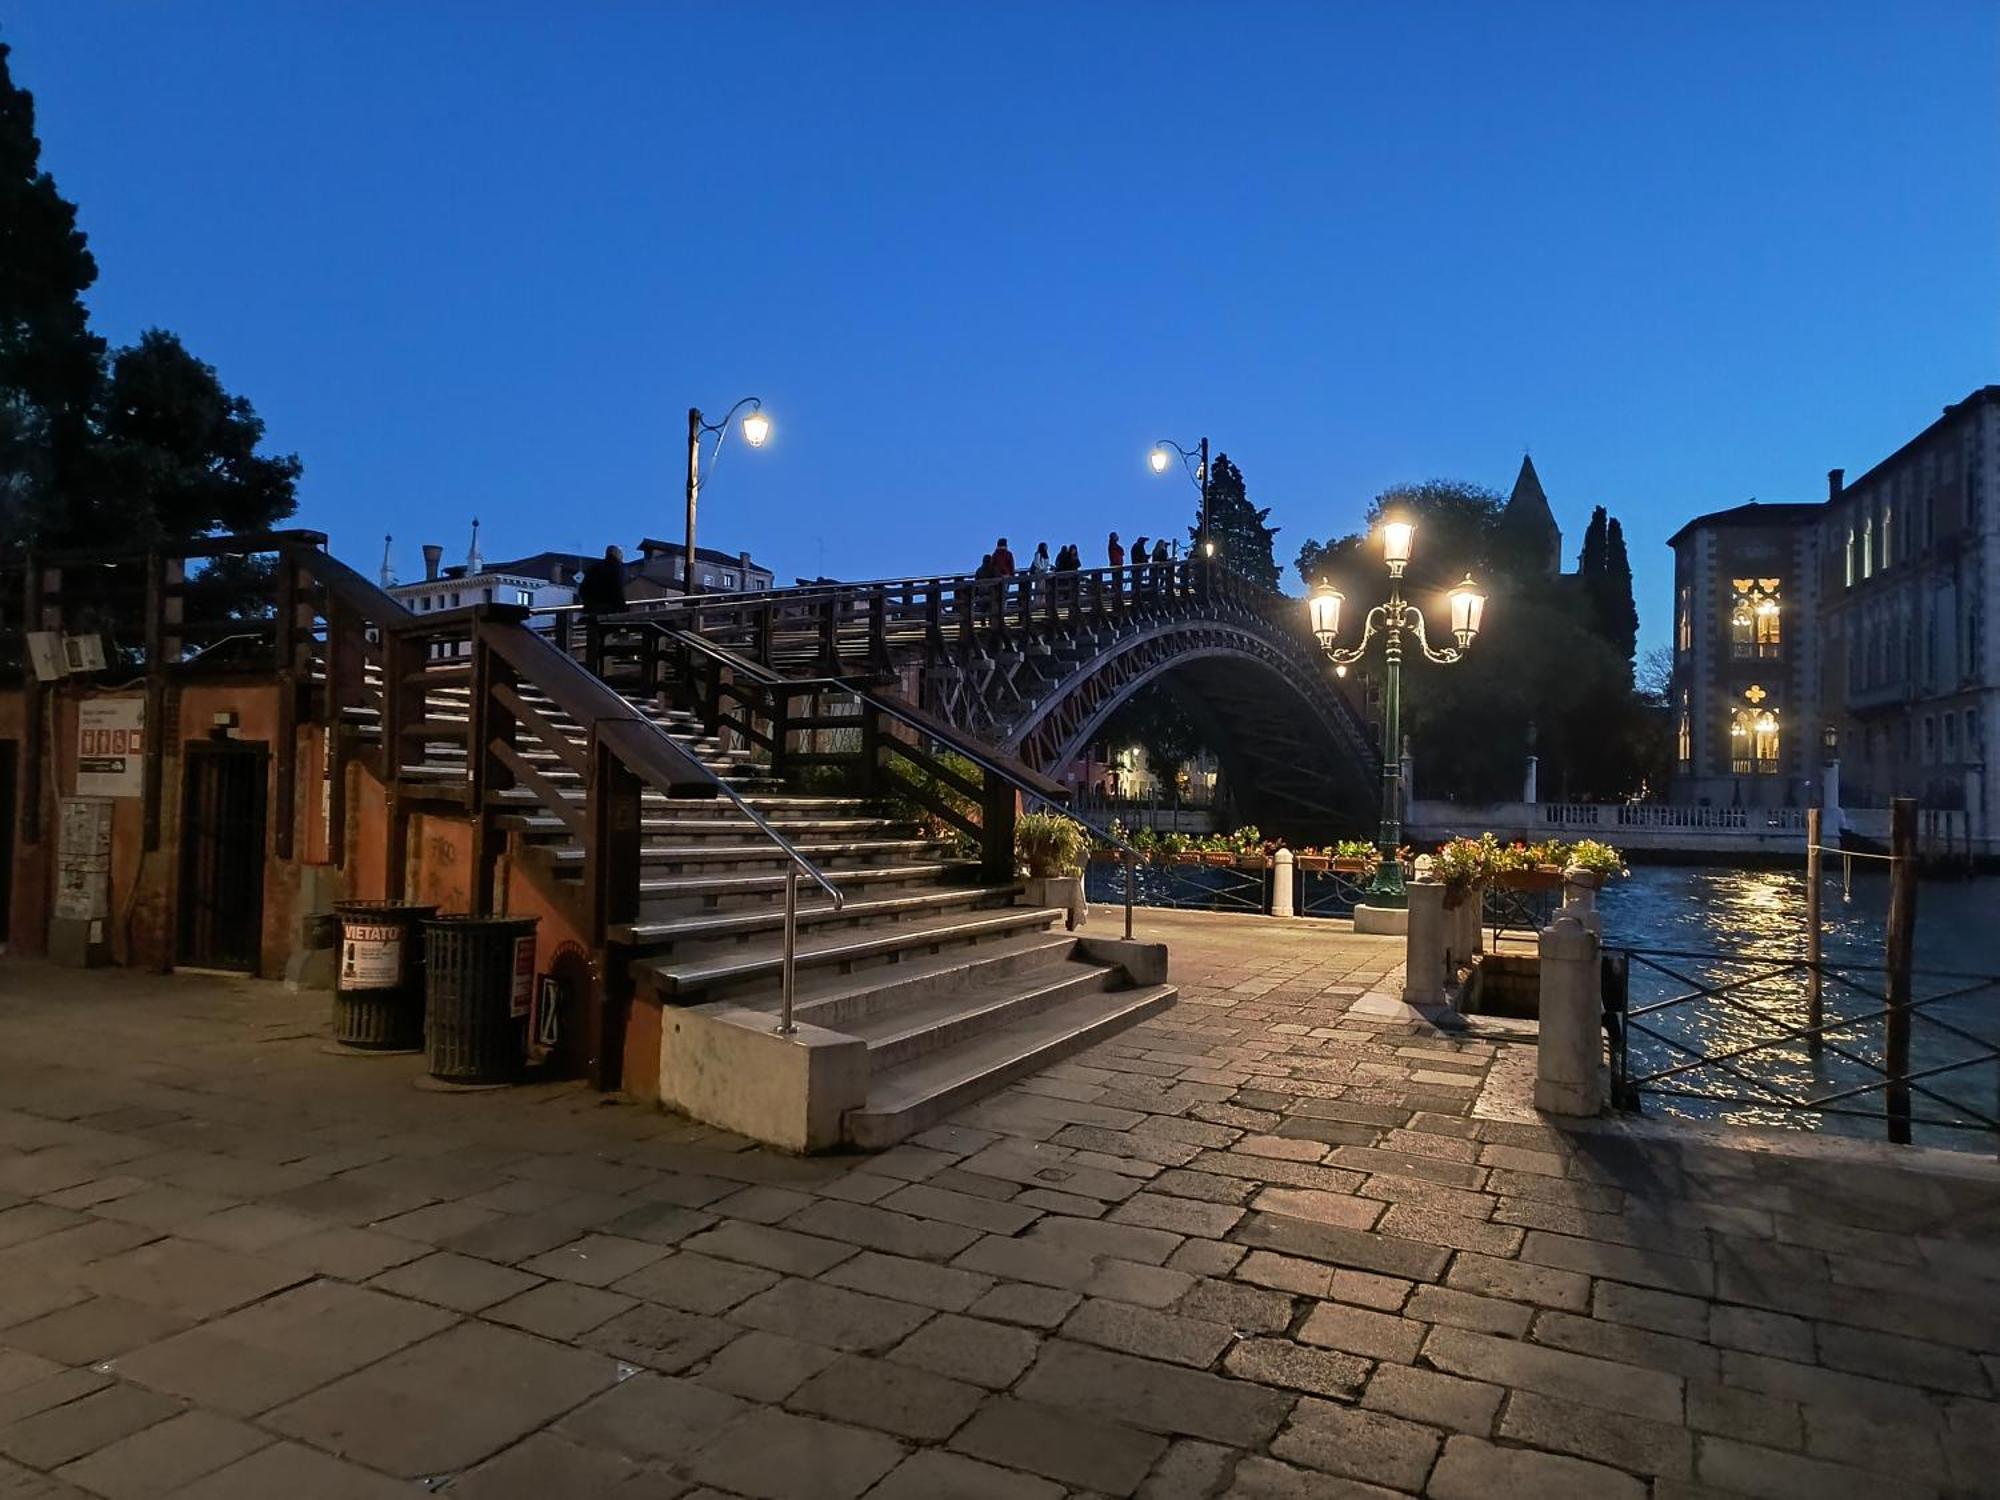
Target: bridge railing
836, 629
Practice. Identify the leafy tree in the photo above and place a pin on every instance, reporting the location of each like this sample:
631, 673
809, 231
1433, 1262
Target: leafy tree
177, 454
1242, 540
50, 362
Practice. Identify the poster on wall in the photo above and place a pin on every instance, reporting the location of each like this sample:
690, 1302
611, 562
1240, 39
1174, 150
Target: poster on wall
111, 747
83, 859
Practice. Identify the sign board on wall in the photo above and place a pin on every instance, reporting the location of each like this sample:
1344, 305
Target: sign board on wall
111, 747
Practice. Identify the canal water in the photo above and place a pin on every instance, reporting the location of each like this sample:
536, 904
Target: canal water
1751, 915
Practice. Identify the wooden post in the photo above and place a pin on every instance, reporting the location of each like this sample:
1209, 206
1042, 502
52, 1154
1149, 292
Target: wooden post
285, 648
156, 703
1815, 989
1900, 945
996, 831
611, 877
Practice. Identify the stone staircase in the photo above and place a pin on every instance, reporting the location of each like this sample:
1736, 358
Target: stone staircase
948, 987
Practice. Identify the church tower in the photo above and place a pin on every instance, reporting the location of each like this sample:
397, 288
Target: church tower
1527, 518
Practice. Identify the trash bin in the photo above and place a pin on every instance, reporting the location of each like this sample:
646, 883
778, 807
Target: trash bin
479, 974
378, 980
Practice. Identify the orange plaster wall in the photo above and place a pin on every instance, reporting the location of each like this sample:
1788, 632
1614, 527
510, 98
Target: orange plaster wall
367, 835
441, 862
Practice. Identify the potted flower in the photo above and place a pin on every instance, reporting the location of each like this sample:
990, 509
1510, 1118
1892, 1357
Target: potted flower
1313, 859
1051, 848
1464, 865
1355, 856
1591, 864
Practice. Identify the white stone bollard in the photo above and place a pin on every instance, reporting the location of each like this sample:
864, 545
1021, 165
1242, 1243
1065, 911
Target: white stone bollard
1281, 883
1568, 1077
1423, 953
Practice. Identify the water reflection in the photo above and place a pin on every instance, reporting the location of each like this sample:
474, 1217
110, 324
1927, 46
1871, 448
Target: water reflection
1742, 918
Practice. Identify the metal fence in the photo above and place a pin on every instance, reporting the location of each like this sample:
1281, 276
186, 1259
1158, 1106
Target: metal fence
1735, 1037
1183, 887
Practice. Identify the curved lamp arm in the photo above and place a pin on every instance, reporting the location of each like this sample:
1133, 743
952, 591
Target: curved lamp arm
1190, 459
1443, 655
721, 429
1347, 656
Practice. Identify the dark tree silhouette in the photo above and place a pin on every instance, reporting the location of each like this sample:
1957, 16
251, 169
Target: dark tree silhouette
50, 362
1242, 540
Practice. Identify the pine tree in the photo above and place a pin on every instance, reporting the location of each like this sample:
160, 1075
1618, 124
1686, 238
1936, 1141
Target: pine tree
1242, 540
50, 363
1621, 612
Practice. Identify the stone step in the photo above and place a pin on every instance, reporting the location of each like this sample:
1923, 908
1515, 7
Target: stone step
661, 851
771, 885
837, 952
904, 1100
845, 1002
815, 916
904, 1035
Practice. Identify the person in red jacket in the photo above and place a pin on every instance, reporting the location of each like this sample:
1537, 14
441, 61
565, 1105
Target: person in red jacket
1114, 551
1003, 560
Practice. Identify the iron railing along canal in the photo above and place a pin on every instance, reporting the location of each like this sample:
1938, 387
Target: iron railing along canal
1733, 1036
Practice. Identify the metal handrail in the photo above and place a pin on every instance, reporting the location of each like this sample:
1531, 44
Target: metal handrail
963, 744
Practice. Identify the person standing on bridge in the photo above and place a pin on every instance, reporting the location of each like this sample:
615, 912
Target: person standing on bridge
1003, 560
1114, 551
1138, 565
601, 591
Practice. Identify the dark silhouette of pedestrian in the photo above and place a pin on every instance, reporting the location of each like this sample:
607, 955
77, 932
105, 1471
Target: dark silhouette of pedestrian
1003, 560
1114, 551
601, 592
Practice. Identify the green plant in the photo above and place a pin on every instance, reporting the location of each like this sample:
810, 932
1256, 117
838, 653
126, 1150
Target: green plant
1049, 844
1464, 863
1354, 849
915, 793
1599, 859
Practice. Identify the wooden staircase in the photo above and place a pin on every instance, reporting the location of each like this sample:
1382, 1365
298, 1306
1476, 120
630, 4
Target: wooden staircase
952, 988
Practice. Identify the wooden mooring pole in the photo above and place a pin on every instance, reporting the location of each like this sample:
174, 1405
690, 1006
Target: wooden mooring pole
1815, 990
1900, 945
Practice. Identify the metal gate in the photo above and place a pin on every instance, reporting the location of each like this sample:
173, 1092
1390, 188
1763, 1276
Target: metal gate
222, 856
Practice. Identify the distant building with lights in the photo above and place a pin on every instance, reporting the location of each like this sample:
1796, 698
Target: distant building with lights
1849, 649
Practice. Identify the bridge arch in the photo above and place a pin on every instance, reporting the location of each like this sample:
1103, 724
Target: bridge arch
1293, 751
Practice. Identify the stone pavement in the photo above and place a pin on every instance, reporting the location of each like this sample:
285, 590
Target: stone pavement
1264, 1245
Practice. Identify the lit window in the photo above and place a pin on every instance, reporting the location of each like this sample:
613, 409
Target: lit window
1868, 546
729, 580
708, 580
1850, 557
1686, 732
1888, 553
1754, 618
1753, 737
1684, 630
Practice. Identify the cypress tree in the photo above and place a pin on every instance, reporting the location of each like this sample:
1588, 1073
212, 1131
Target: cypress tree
1622, 613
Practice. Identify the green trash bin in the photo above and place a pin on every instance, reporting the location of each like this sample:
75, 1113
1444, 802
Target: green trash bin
378, 979
479, 974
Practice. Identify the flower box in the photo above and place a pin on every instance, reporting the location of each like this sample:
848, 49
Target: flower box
1108, 856
1541, 878
1220, 857
1316, 863
1253, 861
1185, 857
1354, 866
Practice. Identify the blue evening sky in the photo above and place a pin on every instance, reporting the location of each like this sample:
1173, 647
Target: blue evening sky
481, 257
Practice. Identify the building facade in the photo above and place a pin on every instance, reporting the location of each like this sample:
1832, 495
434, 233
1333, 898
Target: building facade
1849, 650
1911, 634
1745, 686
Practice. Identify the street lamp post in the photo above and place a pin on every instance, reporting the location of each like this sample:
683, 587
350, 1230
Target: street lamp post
756, 428
1196, 463
1385, 888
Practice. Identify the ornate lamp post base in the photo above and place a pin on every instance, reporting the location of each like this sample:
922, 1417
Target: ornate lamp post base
1381, 921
